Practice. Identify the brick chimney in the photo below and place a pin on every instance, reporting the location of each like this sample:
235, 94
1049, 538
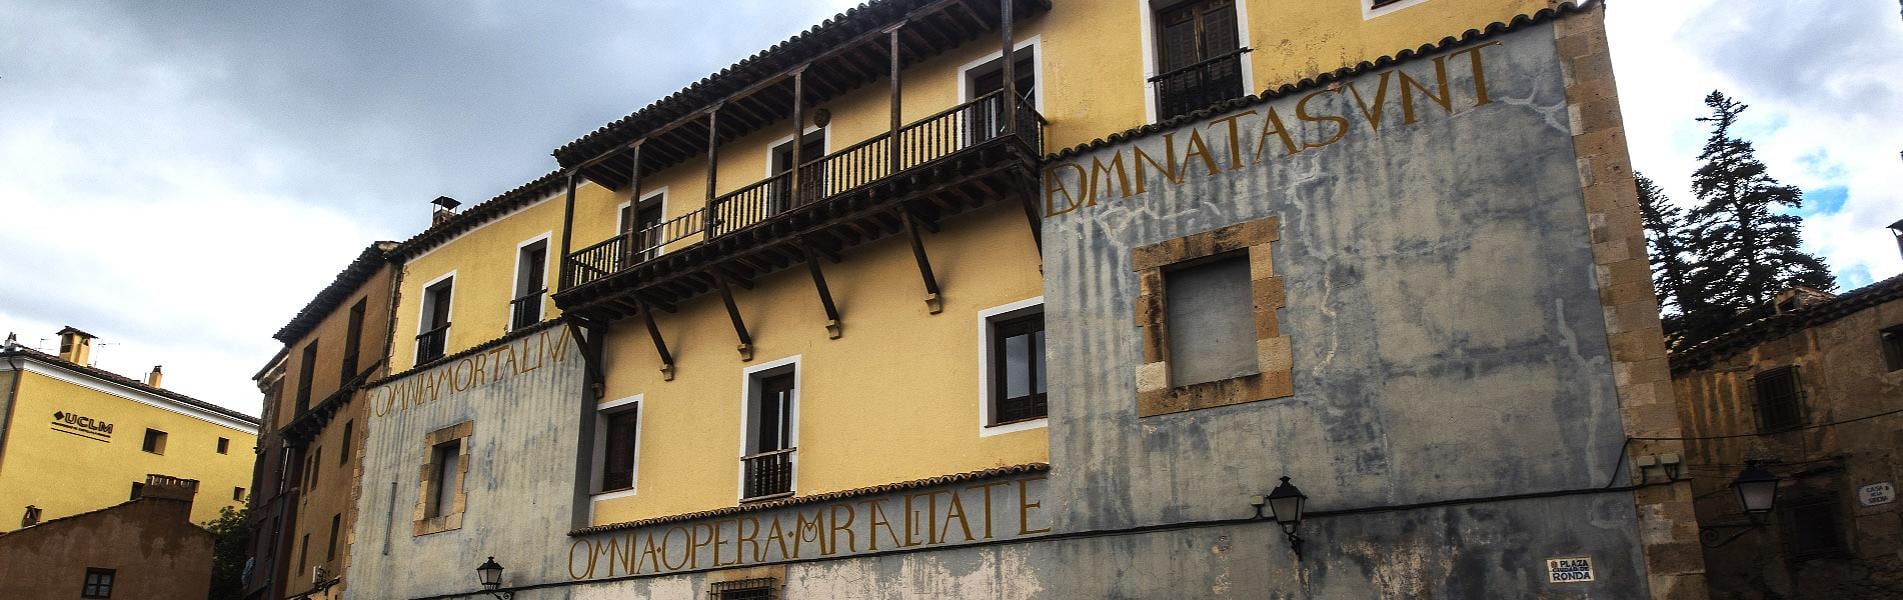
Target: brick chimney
445, 208
75, 346
166, 486
156, 376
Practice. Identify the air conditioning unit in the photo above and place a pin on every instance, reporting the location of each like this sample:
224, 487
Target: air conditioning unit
319, 575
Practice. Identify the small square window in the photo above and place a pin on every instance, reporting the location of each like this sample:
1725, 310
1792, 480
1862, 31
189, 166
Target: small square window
1207, 306
745, 589
224, 446
138, 491
446, 458
1813, 527
154, 441
237, 494
98, 583
1892, 339
1211, 320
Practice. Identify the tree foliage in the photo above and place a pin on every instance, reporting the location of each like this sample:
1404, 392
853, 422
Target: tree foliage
1725, 259
230, 548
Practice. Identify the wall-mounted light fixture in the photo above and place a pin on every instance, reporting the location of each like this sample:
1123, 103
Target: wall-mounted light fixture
1286, 503
1756, 487
490, 575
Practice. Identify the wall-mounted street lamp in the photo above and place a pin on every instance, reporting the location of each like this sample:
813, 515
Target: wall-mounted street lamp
1757, 496
1285, 505
490, 575
1897, 230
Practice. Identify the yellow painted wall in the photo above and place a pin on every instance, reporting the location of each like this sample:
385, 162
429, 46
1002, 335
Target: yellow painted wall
484, 262
894, 399
65, 474
331, 333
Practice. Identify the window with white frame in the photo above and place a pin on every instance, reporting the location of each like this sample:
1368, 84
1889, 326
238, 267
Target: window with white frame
1015, 367
432, 334
772, 406
641, 221
617, 439
531, 284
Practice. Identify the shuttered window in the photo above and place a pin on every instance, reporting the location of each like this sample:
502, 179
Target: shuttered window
1198, 51
1780, 401
618, 465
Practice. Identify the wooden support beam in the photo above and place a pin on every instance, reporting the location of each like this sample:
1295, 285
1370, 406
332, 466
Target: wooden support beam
660, 345
799, 136
932, 301
894, 145
1030, 215
913, 215
713, 169
1010, 108
568, 225
733, 314
834, 328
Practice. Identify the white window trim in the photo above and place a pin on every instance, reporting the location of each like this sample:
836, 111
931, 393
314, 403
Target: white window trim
1034, 43
515, 279
601, 449
1368, 12
423, 311
1147, 13
826, 141
985, 318
621, 224
747, 380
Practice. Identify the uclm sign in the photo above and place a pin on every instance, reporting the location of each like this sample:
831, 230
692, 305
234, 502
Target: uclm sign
81, 425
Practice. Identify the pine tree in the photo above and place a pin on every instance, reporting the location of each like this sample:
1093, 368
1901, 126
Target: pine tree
1746, 250
1667, 241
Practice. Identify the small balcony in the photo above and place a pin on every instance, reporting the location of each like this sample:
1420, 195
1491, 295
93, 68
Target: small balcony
1197, 86
526, 310
767, 475
430, 344
964, 157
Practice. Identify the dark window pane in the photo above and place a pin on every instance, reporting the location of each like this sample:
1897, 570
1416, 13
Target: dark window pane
1892, 339
1019, 369
618, 465
1780, 405
1813, 527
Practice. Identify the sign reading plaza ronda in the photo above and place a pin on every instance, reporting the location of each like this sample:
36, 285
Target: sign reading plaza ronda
515, 358
1400, 96
950, 515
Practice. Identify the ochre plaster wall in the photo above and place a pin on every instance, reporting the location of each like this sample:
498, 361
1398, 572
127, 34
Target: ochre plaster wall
66, 474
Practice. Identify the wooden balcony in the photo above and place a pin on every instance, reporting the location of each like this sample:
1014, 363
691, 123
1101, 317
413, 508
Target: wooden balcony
962, 158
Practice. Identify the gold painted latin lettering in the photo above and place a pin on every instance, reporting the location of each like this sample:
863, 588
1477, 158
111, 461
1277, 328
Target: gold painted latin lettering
811, 531
720, 540
667, 542
1115, 167
653, 554
1380, 101
561, 343
1272, 123
912, 521
746, 537
571, 560
986, 488
1301, 112
1025, 505
1235, 141
1054, 184
1408, 85
1480, 73
695, 541
875, 518
475, 375
955, 510
852, 540
1196, 148
778, 536
1139, 158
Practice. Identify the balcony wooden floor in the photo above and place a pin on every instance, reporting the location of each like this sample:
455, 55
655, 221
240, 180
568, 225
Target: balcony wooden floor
943, 172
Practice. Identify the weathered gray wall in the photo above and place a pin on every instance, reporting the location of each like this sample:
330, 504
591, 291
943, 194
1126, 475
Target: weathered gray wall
1448, 341
520, 482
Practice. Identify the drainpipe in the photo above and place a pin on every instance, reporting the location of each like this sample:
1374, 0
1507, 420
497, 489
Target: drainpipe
13, 394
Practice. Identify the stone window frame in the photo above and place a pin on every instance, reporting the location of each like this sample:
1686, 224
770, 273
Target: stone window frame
452, 518
1274, 376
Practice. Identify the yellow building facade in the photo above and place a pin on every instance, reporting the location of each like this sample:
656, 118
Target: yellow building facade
79, 438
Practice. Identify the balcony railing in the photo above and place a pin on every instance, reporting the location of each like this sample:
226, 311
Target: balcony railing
526, 310
430, 344
767, 474
921, 143
1190, 88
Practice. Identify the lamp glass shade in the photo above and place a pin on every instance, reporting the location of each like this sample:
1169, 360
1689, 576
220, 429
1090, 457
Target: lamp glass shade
1756, 488
1285, 503
490, 574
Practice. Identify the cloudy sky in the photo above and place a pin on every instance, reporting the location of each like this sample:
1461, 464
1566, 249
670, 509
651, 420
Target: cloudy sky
180, 177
